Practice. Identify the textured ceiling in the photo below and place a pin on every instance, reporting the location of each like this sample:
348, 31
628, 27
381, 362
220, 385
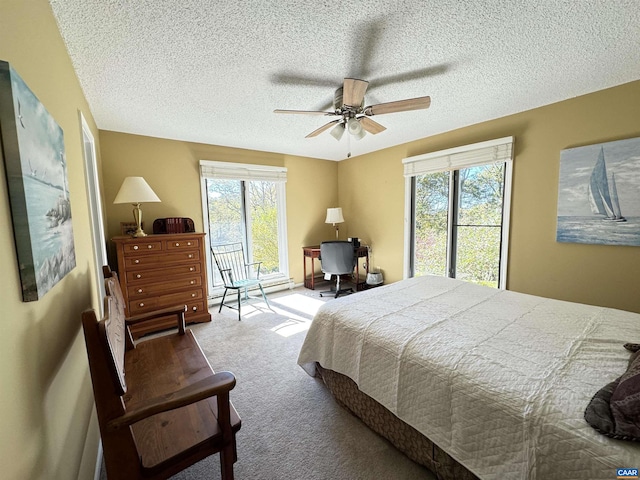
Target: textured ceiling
213, 71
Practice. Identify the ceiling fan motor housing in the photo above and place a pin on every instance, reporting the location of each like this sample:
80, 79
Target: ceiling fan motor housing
340, 107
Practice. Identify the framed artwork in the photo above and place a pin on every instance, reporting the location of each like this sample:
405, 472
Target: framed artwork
599, 194
36, 171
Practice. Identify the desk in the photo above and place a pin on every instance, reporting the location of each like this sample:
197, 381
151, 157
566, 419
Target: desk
313, 252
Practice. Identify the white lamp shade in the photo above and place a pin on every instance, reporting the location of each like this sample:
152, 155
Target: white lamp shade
360, 135
135, 190
355, 128
337, 131
334, 215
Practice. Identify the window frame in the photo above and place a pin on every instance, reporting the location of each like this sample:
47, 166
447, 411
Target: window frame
499, 150
246, 172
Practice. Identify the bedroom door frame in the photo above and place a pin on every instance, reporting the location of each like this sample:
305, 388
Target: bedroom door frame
95, 208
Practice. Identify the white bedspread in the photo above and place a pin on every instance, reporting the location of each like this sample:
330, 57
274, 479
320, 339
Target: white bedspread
500, 380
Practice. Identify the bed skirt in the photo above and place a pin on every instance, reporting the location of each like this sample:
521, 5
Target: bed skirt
401, 435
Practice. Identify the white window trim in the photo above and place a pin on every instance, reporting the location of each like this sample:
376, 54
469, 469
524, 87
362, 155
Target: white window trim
242, 171
499, 150
248, 172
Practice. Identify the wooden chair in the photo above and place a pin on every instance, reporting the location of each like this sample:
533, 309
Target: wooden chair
161, 408
236, 273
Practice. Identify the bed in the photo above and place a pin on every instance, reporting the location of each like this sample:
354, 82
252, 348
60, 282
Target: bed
497, 381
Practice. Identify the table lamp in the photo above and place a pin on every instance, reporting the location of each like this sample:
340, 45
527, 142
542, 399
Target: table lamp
136, 190
334, 215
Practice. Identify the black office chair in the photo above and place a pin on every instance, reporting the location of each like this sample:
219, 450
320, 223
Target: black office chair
337, 258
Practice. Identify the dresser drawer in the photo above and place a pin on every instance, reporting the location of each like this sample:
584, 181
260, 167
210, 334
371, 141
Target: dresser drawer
194, 309
168, 300
152, 289
162, 274
133, 261
144, 246
182, 244
143, 305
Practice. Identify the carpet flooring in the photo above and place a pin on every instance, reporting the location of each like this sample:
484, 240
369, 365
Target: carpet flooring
292, 428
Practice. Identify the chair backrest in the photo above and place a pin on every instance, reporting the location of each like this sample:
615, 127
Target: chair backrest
337, 257
112, 329
231, 263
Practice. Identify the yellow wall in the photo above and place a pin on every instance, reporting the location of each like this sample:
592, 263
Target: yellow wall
371, 189
46, 400
171, 168
47, 429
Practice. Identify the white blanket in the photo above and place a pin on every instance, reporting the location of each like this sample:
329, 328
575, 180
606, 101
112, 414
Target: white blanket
500, 380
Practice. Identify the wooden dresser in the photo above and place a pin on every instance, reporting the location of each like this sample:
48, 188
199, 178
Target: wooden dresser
159, 271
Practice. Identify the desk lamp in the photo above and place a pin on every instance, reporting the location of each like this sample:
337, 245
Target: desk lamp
334, 215
136, 190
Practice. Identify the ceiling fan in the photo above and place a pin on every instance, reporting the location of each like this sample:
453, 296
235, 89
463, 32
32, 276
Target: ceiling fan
348, 104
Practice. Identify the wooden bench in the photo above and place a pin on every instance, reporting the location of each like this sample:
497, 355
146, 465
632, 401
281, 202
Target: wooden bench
160, 406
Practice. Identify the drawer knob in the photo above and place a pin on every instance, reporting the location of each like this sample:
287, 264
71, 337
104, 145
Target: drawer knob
140, 290
177, 244
191, 269
195, 308
192, 282
141, 304
189, 244
136, 261
135, 247
191, 255
149, 247
138, 276
193, 295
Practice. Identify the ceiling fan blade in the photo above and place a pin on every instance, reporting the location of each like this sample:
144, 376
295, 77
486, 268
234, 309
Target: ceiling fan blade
326, 126
291, 78
371, 126
418, 103
307, 112
408, 76
353, 91
365, 46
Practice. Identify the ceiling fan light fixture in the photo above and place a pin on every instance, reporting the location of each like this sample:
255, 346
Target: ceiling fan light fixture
360, 135
337, 131
355, 129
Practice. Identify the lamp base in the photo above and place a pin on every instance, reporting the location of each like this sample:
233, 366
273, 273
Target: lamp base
137, 216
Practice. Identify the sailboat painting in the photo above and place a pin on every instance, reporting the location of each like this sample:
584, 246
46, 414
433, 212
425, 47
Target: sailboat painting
36, 168
599, 194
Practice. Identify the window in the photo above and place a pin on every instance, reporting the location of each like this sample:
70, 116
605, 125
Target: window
246, 203
457, 212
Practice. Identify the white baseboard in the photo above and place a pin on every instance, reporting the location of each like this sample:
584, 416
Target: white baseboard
276, 286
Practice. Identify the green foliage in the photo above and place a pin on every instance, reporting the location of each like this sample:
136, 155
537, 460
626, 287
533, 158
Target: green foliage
227, 220
264, 225
225, 213
478, 223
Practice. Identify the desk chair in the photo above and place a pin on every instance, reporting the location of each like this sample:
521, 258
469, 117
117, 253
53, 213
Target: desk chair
236, 273
337, 258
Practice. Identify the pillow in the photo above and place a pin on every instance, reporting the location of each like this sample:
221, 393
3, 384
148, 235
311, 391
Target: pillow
615, 409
